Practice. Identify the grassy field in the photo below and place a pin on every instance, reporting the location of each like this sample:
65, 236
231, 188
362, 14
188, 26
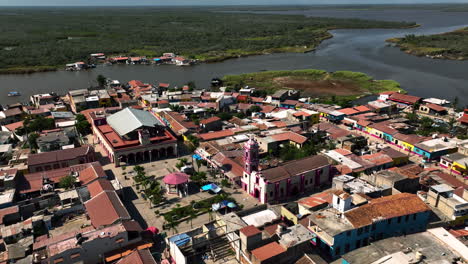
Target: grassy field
452, 45
56, 36
340, 86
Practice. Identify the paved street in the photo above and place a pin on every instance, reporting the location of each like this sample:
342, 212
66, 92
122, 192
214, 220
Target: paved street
140, 209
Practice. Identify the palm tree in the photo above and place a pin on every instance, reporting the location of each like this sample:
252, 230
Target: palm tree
192, 215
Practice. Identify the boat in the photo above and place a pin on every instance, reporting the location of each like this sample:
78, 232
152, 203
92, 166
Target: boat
14, 94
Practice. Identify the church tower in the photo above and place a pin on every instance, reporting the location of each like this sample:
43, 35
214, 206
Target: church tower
251, 156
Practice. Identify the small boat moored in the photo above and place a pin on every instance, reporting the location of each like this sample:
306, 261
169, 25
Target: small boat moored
14, 94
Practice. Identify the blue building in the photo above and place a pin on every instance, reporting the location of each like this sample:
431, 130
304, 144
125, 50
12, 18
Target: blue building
435, 148
346, 226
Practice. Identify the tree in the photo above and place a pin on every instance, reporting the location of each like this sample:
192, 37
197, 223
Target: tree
82, 125
255, 108
191, 85
198, 177
101, 80
67, 182
32, 140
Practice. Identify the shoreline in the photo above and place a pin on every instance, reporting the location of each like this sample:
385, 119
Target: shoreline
438, 53
291, 49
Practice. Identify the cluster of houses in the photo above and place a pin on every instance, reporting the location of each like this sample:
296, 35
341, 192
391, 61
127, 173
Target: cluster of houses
367, 189
166, 58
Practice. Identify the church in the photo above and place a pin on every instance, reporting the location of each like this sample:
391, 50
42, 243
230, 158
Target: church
284, 181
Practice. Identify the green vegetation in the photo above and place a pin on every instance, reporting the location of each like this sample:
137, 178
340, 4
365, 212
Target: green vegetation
82, 125
151, 188
330, 87
178, 214
452, 45
39, 39
67, 182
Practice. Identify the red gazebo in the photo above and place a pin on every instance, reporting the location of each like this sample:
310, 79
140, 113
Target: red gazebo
176, 183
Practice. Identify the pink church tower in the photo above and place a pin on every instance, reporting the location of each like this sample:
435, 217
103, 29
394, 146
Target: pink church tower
251, 156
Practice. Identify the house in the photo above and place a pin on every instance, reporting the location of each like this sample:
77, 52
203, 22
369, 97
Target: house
286, 180
132, 135
433, 109
43, 99
140, 256
90, 245
455, 162
343, 230
435, 148
178, 123
404, 99
396, 179
11, 115
32, 184
452, 206
435, 245
211, 124
54, 140
106, 209
60, 158
271, 143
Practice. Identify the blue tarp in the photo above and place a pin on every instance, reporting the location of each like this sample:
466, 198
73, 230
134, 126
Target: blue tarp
180, 240
196, 156
220, 205
211, 187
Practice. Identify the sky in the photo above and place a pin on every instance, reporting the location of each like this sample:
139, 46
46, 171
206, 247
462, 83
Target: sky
208, 2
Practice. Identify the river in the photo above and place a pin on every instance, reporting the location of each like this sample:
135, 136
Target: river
354, 50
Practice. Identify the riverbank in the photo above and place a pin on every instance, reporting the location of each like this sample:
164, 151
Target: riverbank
450, 46
337, 87
59, 38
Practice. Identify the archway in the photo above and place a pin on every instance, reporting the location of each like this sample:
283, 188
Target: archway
131, 158
154, 154
162, 153
170, 151
257, 193
295, 190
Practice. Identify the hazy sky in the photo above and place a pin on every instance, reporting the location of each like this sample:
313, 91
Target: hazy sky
207, 2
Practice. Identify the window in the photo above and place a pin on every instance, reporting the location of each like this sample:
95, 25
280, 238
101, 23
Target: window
306, 181
389, 221
359, 231
366, 229
414, 216
358, 243
348, 233
346, 249
374, 227
337, 251
406, 218
399, 219
271, 194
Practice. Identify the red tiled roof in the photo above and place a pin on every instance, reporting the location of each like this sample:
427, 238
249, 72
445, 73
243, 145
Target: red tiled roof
279, 124
301, 113
290, 102
164, 85
105, 209
463, 119
59, 155
135, 83
13, 126
93, 172
256, 99
8, 211
362, 108
267, 108
268, 251
97, 187
343, 152
138, 257
290, 136
436, 108
378, 158
250, 230
210, 120
317, 199
348, 111
386, 207
216, 135
404, 98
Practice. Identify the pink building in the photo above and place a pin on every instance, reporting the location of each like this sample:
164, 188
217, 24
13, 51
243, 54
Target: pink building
287, 180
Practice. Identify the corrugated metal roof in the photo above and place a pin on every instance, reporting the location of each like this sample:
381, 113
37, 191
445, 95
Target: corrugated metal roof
129, 119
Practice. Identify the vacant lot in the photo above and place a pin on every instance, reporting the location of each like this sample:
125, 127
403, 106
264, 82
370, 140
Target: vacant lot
313, 83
